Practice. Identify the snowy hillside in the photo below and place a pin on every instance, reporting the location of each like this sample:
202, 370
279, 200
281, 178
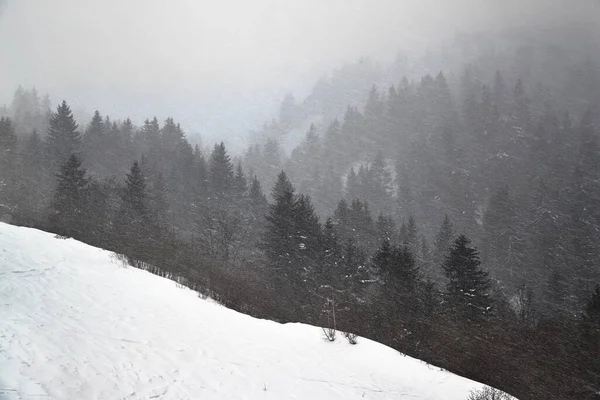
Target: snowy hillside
74, 324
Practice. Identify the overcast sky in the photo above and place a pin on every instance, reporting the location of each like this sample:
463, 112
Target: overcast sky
210, 61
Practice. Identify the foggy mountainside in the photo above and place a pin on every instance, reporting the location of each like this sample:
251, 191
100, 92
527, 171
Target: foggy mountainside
443, 200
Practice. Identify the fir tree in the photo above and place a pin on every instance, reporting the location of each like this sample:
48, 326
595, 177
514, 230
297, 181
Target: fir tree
443, 241
278, 240
68, 203
8, 138
133, 224
397, 267
158, 199
63, 138
282, 185
258, 200
383, 261
307, 231
95, 144
221, 175
240, 183
135, 197
201, 171
468, 289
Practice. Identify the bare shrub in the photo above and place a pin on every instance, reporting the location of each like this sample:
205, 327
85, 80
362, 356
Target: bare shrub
330, 334
351, 337
120, 259
329, 310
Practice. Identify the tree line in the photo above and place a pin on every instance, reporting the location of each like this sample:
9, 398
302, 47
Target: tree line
390, 246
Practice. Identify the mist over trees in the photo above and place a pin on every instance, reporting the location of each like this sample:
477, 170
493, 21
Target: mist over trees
453, 216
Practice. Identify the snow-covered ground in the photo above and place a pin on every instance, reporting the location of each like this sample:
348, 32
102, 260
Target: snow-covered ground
75, 324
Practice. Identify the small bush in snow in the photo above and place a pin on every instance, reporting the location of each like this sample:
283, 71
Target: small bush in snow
120, 259
330, 334
489, 393
352, 338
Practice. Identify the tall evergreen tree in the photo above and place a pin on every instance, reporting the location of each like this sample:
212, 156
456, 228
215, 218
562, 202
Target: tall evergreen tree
468, 288
221, 174
443, 241
134, 218
95, 145
63, 138
258, 200
8, 138
68, 203
240, 183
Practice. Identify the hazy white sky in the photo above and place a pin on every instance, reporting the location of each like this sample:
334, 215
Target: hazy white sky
139, 57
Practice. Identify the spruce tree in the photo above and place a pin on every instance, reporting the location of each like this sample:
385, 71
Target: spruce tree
201, 171
8, 178
158, 199
406, 271
397, 268
282, 185
68, 203
240, 184
258, 200
443, 241
383, 261
8, 138
307, 232
379, 187
33, 182
221, 175
95, 145
278, 239
468, 288
135, 196
63, 138
133, 223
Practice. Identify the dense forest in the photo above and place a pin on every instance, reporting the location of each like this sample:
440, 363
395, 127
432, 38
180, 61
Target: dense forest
454, 217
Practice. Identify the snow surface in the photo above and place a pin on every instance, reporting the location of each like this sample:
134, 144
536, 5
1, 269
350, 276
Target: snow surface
76, 324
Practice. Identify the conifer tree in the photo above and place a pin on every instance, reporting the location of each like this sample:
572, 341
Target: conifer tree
352, 186
221, 175
8, 178
278, 240
282, 185
240, 183
95, 145
201, 172
379, 187
158, 199
68, 203
135, 196
63, 138
468, 288
397, 268
329, 271
383, 260
8, 138
258, 200
307, 231
410, 236
443, 241
502, 241
134, 215
33, 181
386, 228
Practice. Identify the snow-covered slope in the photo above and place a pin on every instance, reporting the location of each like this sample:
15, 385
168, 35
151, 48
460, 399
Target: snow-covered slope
74, 324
